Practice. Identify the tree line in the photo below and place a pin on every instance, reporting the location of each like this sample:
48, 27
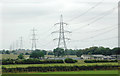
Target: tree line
60, 52
87, 51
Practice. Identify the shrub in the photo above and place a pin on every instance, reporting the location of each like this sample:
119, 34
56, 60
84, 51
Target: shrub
29, 61
69, 60
21, 56
99, 61
60, 68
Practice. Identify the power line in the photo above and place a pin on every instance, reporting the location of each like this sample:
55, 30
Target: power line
87, 11
48, 43
97, 35
44, 34
96, 40
94, 30
106, 12
95, 20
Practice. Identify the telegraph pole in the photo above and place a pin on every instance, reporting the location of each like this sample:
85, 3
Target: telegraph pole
62, 39
34, 45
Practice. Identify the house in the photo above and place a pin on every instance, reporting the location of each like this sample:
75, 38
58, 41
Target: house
98, 57
86, 57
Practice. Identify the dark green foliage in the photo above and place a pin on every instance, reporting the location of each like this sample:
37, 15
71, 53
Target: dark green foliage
50, 53
60, 68
7, 52
116, 51
59, 52
37, 54
45, 52
88, 51
99, 61
98, 50
29, 61
27, 53
21, 56
69, 60
8, 61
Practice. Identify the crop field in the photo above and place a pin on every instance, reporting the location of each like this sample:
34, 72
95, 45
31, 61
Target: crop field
65, 64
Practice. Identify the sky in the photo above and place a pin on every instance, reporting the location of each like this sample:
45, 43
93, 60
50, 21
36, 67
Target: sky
92, 23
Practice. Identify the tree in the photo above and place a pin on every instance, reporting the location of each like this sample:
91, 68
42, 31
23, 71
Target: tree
7, 52
21, 56
45, 52
3, 51
37, 54
79, 53
50, 53
116, 50
59, 52
27, 53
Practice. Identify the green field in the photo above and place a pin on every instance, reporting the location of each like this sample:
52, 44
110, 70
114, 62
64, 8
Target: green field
12, 56
82, 72
38, 65
75, 72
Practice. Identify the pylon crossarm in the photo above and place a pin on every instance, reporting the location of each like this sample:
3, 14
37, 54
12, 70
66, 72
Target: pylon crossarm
55, 32
56, 24
67, 31
65, 23
56, 39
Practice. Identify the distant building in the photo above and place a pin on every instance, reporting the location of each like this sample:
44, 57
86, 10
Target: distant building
86, 57
98, 57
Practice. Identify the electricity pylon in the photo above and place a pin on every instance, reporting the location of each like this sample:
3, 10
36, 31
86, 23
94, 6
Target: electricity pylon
21, 43
34, 45
62, 39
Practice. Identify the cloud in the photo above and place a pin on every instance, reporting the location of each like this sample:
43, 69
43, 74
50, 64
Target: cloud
19, 16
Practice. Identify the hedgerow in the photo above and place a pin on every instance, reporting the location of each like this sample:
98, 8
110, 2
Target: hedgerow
29, 61
60, 68
99, 61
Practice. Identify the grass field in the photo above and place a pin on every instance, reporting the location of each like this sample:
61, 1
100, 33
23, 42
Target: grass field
75, 72
43, 65
12, 56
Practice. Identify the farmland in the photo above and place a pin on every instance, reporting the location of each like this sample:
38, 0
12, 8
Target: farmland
63, 68
77, 72
65, 64
12, 56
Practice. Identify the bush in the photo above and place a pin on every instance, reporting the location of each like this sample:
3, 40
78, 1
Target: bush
30, 61
69, 60
21, 56
99, 61
8, 61
60, 68
37, 54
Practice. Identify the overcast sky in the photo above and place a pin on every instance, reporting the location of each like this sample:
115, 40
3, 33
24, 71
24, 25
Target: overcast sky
92, 22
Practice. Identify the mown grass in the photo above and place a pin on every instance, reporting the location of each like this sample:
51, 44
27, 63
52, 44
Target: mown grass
74, 72
64, 64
